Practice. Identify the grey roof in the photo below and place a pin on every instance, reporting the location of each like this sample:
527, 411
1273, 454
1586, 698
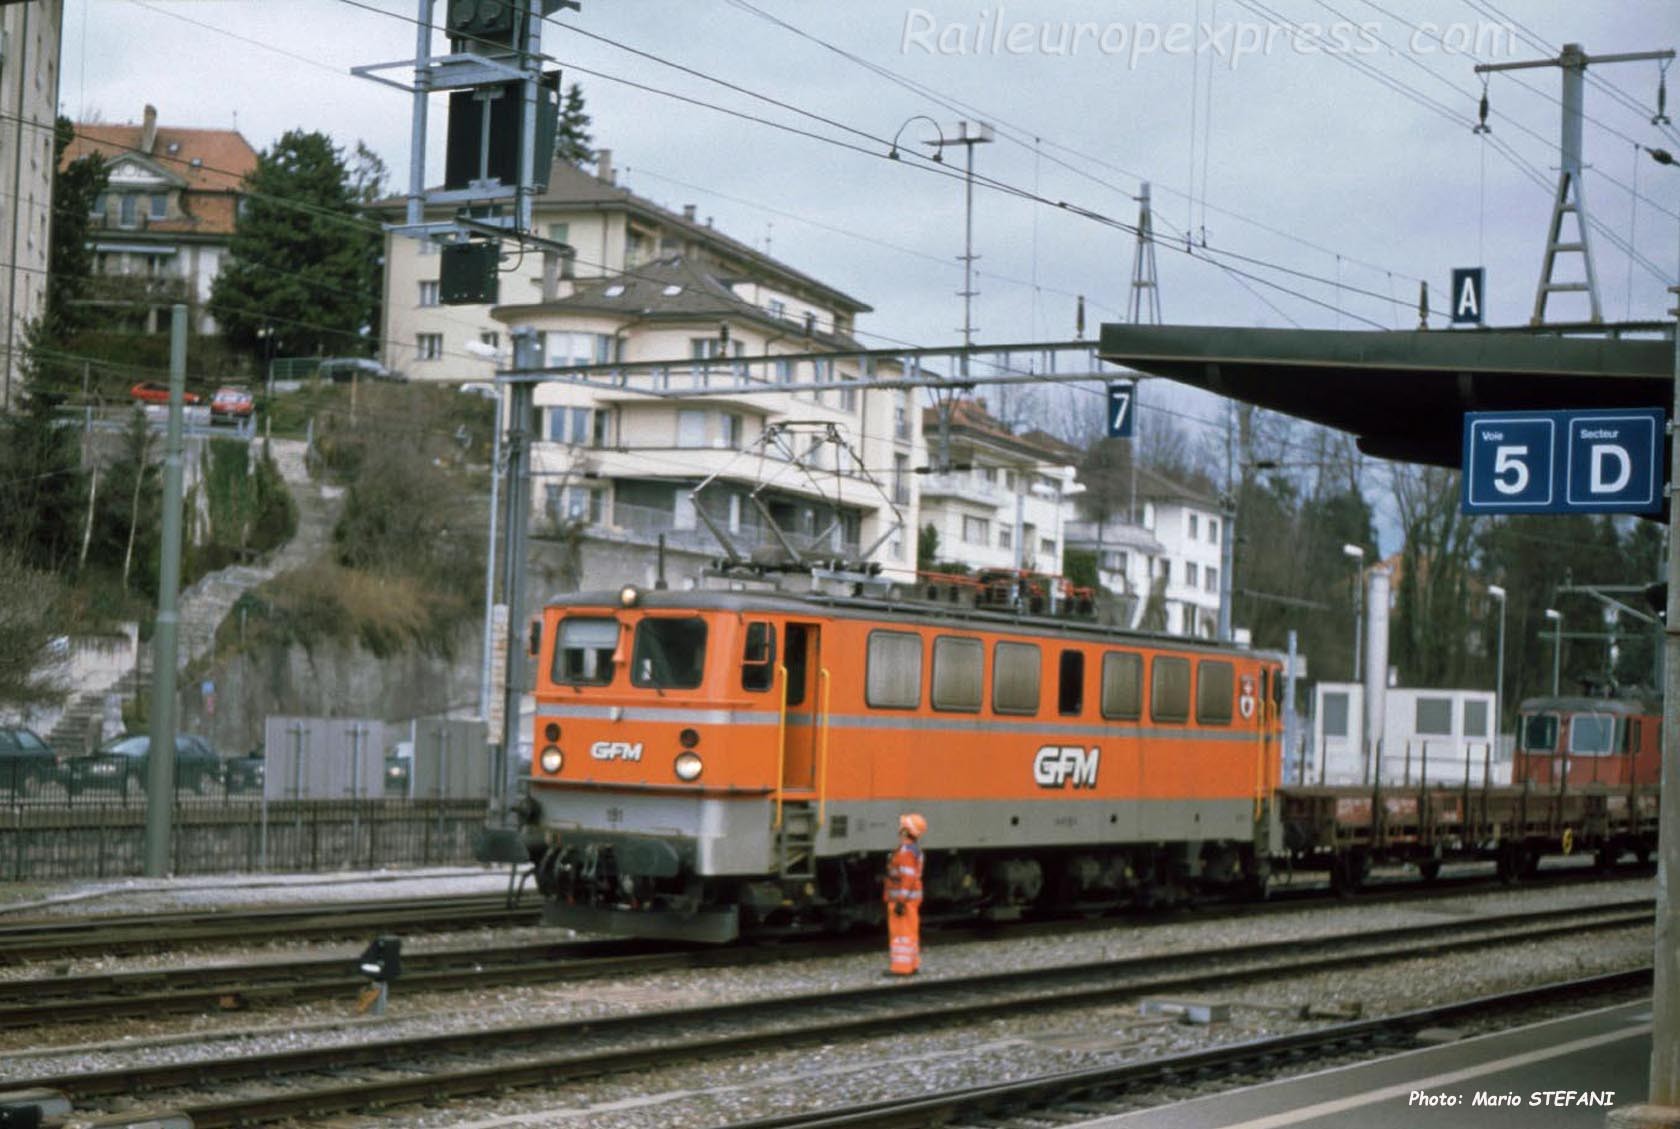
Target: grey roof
679, 289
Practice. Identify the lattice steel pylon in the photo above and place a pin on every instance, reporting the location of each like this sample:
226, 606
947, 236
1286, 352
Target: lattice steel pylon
1569, 198
1145, 305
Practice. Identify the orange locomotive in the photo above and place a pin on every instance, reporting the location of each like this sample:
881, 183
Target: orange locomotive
711, 763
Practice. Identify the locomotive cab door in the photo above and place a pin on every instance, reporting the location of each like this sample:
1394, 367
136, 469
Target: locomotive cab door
803, 693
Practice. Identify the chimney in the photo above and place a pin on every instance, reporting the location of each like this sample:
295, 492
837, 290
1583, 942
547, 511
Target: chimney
148, 131
603, 166
688, 212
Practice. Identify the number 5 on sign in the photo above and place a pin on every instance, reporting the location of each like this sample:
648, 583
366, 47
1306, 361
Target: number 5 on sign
1121, 399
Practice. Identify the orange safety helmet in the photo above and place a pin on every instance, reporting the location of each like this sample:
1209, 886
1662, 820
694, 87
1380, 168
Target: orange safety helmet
913, 825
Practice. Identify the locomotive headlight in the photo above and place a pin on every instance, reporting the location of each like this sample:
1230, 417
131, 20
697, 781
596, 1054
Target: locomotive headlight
552, 732
552, 758
628, 595
688, 766
688, 738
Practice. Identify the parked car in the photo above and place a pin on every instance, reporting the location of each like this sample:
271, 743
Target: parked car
154, 392
342, 370
27, 763
232, 403
121, 767
246, 773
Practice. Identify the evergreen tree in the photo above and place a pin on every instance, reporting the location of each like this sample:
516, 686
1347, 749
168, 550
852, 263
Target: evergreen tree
70, 262
572, 140
303, 259
42, 487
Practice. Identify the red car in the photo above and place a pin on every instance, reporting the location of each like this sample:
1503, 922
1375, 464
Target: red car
153, 392
232, 403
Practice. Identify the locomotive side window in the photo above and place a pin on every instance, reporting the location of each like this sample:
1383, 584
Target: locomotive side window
758, 657
1070, 690
1540, 732
670, 654
894, 678
1122, 686
1015, 670
1592, 734
1169, 688
958, 665
583, 651
1215, 687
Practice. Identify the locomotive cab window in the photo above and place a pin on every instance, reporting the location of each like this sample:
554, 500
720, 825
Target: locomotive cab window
583, 650
1070, 684
1215, 686
958, 665
1015, 668
1592, 734
758, 657
1540, 732
894, 677
1169, 689
670, 654
1122, 686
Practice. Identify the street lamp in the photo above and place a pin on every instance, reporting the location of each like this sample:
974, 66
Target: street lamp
1498, 593
1357, 553
1557, 645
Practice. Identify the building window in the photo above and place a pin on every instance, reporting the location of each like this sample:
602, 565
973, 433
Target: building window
559, 232
1006, 536
556, 432
1190, 577
429, 346
127, 209
691, 428
584, 503
491, 338
579, 433
1193, 529
1213, 530
160, 206
976, 530
901, 479
848, 394
1047, 547
1210, 579
784, 371
777, 308
733, 429
901, 421
429, 292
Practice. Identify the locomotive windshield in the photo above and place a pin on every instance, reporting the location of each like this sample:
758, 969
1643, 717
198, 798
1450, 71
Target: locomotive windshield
583, 653
1540, 732
670, 654
1592, 733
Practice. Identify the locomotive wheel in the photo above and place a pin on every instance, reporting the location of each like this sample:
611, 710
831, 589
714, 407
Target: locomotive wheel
1348, 872
1512, 864
1430, 869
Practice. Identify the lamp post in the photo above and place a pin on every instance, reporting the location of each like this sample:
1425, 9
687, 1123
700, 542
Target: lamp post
1498, 593
1557, 646
1357, 553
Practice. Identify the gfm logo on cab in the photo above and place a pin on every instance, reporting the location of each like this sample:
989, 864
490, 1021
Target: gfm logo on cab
616, 751
1057, 766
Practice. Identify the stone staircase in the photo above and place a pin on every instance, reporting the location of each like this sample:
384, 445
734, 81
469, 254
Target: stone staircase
207, 603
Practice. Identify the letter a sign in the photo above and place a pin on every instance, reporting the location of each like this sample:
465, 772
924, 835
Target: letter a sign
1467, 289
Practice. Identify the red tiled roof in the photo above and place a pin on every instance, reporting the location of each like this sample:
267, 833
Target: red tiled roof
225, 156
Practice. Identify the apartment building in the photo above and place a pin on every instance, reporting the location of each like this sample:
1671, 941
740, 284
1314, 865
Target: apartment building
1000, 505
1164, 559
617, 458
29, 43
820, 472
164, 223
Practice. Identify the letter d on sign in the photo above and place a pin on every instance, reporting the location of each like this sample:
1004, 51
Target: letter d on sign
1602, 452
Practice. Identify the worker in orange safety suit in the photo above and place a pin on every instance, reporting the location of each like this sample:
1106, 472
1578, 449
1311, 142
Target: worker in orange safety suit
903, 896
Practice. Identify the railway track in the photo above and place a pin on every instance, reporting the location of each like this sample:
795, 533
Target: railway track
1084, 1093
59, 938
64, 999
429, 1068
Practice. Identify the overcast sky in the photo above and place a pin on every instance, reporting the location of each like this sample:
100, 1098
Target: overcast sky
1292, 150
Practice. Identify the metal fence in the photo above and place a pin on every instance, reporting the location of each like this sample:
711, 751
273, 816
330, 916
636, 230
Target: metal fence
51, 838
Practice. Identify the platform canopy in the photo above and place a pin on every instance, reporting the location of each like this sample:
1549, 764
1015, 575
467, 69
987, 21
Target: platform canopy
1403, 394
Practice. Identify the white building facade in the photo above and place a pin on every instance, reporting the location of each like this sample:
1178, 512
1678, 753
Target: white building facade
29, 45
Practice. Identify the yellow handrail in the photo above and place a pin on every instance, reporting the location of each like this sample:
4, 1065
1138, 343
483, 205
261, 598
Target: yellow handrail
781, 744
822, 750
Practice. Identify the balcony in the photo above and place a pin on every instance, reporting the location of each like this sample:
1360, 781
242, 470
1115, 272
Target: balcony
963, 487
643, 525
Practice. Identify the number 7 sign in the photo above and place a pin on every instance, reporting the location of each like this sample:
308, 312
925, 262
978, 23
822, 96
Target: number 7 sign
1122, 398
